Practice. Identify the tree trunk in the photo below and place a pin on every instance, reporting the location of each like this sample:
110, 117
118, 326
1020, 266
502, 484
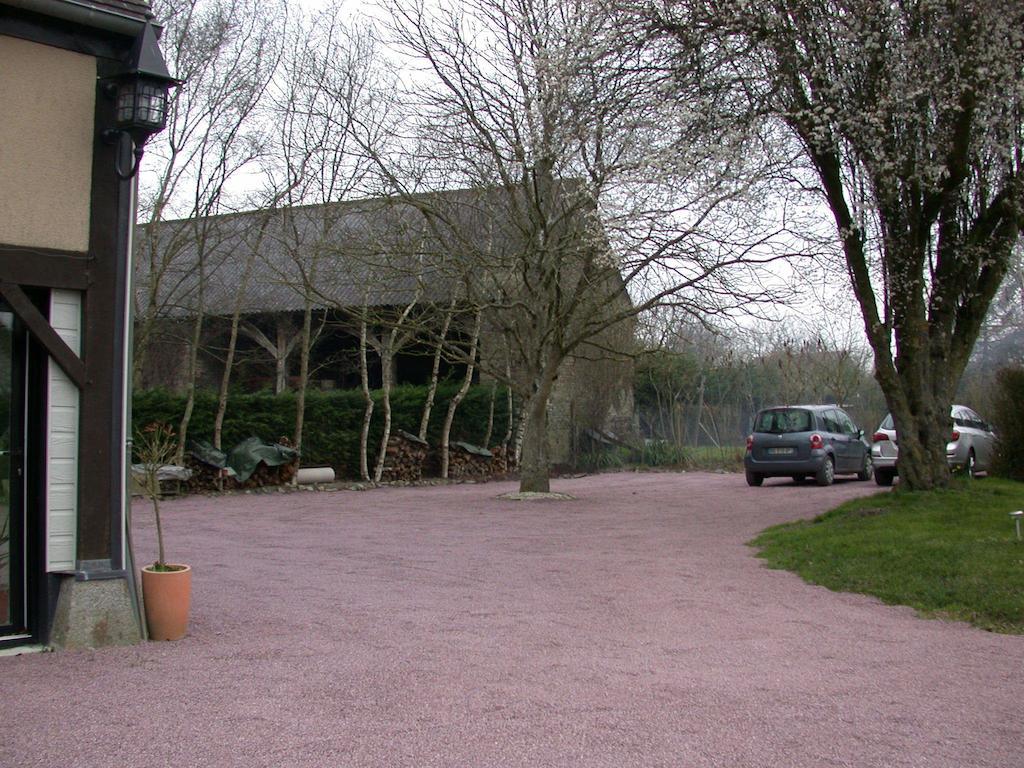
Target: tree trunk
387, 360
364, 380
193, 360
534, 472
390, 343
434, 371
190, 398
229, 360
507, 440
282, 350
490, 414
923, 432
698, 425
517, 443
225, 382
449, 417
534, 469
300, 400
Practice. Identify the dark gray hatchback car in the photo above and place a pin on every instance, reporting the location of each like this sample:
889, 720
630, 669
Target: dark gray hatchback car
801, 441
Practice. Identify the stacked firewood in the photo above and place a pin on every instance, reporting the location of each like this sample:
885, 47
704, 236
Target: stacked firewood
504, 460
282, 474
405, 458
206, 477
465, 460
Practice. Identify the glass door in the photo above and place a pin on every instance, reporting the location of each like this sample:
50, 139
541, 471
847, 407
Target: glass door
12, 616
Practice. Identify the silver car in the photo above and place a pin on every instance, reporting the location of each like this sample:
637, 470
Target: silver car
970, 447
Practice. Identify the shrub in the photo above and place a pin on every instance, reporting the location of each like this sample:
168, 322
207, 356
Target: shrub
1009, 423
333, 418
661, 453
602, 458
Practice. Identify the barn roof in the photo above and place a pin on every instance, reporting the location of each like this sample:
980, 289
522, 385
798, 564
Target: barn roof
376, 252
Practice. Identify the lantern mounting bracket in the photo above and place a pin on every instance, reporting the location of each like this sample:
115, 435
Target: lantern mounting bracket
116, 136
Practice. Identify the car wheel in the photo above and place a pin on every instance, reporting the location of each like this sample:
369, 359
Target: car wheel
827, 473
754, 478
867, 470
884, 477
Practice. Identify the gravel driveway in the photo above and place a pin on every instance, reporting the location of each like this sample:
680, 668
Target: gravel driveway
442, 626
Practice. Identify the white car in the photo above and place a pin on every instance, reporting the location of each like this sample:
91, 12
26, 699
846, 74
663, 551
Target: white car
970, 447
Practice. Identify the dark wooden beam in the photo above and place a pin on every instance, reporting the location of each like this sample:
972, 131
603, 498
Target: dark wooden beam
44, 267
100, 491
43, 332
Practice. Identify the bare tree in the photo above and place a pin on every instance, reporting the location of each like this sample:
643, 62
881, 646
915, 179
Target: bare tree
582, 210
229, 357
364, 381
387, 344
435, 369
225, 51
325, 82
453, 404
909, 116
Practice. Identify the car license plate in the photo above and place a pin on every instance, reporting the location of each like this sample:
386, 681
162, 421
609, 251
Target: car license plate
780, 451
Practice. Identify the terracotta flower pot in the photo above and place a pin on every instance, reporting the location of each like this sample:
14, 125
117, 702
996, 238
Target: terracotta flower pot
167, 595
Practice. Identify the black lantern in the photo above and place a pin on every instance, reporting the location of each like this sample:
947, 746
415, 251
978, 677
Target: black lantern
140, 92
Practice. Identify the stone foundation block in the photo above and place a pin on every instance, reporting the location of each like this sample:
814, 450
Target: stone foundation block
93, 614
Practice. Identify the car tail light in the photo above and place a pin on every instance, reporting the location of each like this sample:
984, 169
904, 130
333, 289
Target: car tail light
879, 437
750, 442
956, 436
816, 441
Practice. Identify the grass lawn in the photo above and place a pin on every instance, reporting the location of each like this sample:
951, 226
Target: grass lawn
949, 554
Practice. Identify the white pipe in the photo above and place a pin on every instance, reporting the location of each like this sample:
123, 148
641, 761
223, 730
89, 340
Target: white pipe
311, 475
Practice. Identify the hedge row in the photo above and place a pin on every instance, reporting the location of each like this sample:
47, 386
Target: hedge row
333, 420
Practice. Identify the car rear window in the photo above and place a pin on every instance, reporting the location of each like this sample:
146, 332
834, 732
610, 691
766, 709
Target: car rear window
887, 422
782, 420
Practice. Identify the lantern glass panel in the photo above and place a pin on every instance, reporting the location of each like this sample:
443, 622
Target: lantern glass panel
141, 104
151, 104
125, 104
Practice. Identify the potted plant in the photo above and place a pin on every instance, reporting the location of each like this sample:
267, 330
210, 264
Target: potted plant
166, 587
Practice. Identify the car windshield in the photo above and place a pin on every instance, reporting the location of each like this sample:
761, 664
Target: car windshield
782, 420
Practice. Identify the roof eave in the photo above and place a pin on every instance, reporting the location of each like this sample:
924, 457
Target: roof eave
118, 20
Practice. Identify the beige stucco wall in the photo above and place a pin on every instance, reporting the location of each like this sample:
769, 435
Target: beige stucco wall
47, 100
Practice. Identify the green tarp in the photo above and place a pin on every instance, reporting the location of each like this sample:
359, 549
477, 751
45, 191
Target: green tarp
476, 450
243, 459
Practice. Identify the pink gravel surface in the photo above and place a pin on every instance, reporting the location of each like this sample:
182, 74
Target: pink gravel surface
442, 626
